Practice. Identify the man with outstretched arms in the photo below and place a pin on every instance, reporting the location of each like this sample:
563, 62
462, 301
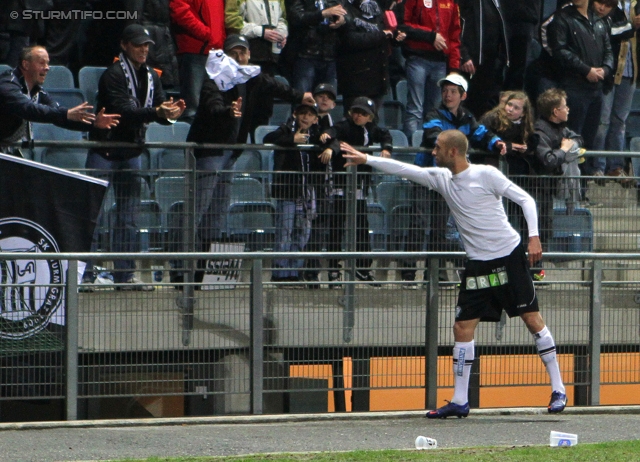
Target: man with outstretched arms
496, 275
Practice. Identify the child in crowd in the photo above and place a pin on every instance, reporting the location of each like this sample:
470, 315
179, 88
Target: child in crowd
558, 152
513, 123
292, 189
358, 129
325, 96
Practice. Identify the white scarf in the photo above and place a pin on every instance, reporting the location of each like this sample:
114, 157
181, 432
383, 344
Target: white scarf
132, 80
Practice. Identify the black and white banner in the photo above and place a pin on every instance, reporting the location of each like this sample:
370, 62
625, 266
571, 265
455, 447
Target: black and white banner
42, 209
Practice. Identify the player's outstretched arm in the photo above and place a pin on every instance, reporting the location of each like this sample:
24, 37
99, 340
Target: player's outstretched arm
354, 156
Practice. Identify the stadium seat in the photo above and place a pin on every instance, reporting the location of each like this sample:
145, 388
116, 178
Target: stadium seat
399, 138
246, 189
88, 78
252, 223
263, 130
281, 112
337, 113
571, 233
164, 159
67, 97
63, 157
149, 226
249, 161
393, 200
401, 92
58, 77
391, 115
168, 190
633, 124
416, 138
634, 146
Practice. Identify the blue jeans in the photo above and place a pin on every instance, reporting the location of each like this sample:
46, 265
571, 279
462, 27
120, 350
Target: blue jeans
307, 73
192, 75
123, 178
423, 92
292, 234
212, 194
610, 136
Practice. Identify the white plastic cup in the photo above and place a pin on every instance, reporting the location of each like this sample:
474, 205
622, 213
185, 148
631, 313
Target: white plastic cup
560, 439
423, 442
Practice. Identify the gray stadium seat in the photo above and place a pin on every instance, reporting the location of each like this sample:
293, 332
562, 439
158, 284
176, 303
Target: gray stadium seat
58, 77
88, 78
69, 97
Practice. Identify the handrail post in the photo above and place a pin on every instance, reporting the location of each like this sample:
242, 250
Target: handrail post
431, 335
257, 338
189, 244
595, 328
351, 234
72, 340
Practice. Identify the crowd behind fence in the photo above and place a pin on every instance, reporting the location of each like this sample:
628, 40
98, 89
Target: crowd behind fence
228, 337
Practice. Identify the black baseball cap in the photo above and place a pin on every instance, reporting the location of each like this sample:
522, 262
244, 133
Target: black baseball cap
303, 106
236, 40
136, 34
326, 88
365, 104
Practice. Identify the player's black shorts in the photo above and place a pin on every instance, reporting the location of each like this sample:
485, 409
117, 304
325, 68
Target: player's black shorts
488, 287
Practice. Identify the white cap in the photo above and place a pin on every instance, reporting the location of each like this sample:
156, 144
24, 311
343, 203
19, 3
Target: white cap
455, 79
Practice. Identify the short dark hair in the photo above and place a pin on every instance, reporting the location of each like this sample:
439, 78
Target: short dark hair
549, 100
27, 52
609, 3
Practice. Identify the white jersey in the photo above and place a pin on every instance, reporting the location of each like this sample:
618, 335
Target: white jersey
475, 199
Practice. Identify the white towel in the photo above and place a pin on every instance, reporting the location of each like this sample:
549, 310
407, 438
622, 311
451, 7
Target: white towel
226, 72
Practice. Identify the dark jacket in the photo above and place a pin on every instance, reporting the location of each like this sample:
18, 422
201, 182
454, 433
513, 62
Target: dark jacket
577, 45
518, 162
521, 11
155, 16
16, 106
362, 61
438, 120
349, 132
309, 31
288, 186
549, 157
213, 122
473, 27
113, 95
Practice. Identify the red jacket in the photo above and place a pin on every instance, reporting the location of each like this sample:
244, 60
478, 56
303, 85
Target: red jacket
422, 19
198, 25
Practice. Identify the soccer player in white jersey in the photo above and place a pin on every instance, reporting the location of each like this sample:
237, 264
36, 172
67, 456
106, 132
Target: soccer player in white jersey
496, 274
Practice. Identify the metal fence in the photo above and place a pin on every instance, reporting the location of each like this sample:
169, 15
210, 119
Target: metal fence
243, 344
243, 326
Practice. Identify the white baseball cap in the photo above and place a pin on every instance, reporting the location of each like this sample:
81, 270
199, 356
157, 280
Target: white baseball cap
455, 79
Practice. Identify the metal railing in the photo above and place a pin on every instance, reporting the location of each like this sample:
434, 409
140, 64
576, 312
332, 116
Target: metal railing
115, 341
246, 345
